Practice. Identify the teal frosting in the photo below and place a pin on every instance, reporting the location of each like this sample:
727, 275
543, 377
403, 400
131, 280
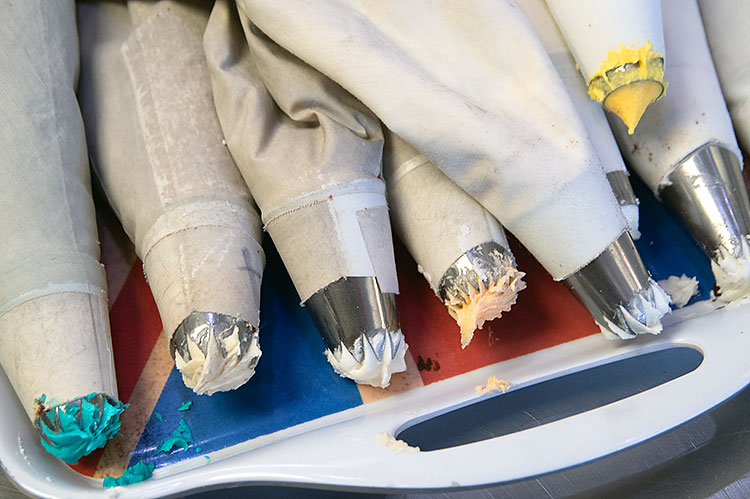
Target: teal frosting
136, 473
181, 437
75, 435
185, 406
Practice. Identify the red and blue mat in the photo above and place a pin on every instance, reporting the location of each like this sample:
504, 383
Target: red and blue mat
294, 384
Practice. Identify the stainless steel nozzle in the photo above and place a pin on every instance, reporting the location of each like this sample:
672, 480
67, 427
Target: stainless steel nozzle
200, 327
621, 188
484, 263
76, 428
98, 400
706, 190
353, 310
618, 291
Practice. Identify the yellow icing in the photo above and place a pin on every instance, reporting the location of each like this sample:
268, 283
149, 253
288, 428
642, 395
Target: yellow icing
625, 67
630, 102
489, 302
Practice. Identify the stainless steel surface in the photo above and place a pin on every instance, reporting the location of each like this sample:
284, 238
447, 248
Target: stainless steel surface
615, 279
49, 418
486, 263
621, 188
706, 190
199, 327
353, 310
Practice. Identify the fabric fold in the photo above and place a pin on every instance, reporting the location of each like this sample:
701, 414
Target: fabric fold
157, 148
469, 85
311, 154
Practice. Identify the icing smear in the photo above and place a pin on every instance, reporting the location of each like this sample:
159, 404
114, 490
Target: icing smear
135, 474
494, 384
642, 315
222, 367
374, 369
394, 445
472, 310
680, 289
732, 272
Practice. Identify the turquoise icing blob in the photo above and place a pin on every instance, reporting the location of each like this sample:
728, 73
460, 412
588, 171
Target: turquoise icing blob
136, 473
181, 437
77, 429
185, 406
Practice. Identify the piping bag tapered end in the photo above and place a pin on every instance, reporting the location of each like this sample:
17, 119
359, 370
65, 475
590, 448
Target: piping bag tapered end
76, 428
616, 288
707, 191
479, 286
215, 352
359, 325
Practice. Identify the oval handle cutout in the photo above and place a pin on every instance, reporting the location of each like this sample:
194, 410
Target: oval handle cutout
551, 400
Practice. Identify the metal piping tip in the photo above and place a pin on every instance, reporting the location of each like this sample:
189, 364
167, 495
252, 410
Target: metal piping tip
479, 286
359, 326
76, 428
618, 291
485, 263
623, 191
708, 193
215, 352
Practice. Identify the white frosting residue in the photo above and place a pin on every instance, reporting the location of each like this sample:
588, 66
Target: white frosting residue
680, 289
631, 216
371, 371
494, 384
732, 273
425, 274
395, 445
472, 310
212, 372
650, 313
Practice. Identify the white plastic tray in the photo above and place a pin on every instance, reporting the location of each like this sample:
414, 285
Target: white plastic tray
340, 450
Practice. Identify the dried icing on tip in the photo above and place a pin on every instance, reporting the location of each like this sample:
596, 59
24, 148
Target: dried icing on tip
732, 272
372, 370
642, 315
73, 430
626, 65
628, 81
223, 366
486, 303
630, 101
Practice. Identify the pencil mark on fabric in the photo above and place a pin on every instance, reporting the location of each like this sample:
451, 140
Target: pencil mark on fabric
251, 273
